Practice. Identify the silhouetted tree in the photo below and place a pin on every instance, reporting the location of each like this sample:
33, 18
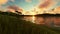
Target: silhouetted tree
18, 12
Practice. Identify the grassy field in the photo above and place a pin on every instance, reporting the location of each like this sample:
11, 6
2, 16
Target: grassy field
13, 25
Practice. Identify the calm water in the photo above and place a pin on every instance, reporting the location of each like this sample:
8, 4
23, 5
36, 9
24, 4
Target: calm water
50, 21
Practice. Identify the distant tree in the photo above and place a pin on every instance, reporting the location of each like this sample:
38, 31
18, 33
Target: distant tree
18, 12
53, 9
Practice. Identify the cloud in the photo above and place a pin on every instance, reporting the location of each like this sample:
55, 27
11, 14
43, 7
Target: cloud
28, 0
15, 8
57, 10
3, 1
46, 3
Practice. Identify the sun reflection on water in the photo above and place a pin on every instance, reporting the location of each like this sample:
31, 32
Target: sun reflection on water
33, 19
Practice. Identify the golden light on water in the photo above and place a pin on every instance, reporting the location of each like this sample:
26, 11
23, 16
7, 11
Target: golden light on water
33, 19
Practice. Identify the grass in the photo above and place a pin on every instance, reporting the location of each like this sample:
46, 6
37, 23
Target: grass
13, 25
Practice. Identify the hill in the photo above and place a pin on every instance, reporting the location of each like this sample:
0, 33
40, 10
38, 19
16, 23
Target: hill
13, 25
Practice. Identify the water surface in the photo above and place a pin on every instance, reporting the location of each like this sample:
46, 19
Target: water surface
50, 21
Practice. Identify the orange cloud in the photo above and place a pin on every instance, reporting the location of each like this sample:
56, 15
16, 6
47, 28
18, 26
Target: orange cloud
3, 1
57, 10
15, 8
46, 4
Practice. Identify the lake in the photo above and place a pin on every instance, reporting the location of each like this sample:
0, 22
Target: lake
50, 21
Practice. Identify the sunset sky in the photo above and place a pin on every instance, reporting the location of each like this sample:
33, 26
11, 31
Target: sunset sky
25, 4
31, 6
